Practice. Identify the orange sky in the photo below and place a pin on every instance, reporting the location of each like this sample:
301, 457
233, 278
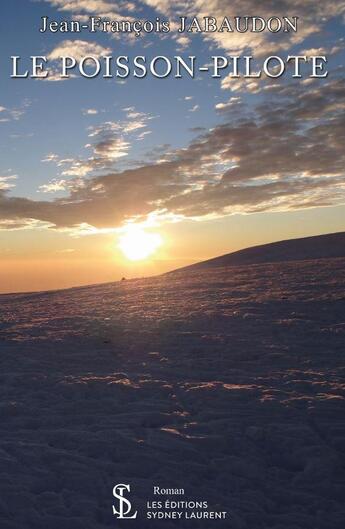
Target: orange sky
45, 259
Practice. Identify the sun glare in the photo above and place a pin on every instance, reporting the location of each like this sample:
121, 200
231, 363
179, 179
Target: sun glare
137, 245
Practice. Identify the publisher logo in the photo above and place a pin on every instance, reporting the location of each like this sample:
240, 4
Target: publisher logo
124, 505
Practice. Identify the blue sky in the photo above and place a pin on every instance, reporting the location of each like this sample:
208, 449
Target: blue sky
219, 156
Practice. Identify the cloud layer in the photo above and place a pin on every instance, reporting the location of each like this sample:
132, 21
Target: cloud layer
287, 153
312, 17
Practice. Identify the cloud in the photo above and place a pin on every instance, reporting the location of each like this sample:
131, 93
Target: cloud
14, 113
78, 49
244, 84
90, 112
51, 157
100, 8
183, 42
194, 108
109, 142
142, 135
288, 153
54, 186
111, 148
229, 105
6, 182
23, 224
324, 50
313, 16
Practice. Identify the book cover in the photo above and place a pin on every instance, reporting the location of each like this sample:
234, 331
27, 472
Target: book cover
172, 273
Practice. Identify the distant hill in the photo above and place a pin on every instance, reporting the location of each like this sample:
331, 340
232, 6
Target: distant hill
318, 247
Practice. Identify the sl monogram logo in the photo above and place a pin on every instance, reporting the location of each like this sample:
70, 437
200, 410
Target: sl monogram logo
125, 505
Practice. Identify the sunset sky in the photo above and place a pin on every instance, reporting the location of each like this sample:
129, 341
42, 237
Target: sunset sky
201, 166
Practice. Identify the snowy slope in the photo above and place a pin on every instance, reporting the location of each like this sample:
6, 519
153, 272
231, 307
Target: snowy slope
317, 247
228, 382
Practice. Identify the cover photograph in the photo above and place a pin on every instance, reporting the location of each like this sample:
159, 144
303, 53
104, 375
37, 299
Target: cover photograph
172, 264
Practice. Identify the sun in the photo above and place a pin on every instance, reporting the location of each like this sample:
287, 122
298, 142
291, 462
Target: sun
137, 244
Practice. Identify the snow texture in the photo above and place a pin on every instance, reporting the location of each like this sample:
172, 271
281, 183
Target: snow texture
228, 382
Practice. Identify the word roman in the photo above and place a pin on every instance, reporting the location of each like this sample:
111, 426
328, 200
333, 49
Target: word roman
167, 492
161, 67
